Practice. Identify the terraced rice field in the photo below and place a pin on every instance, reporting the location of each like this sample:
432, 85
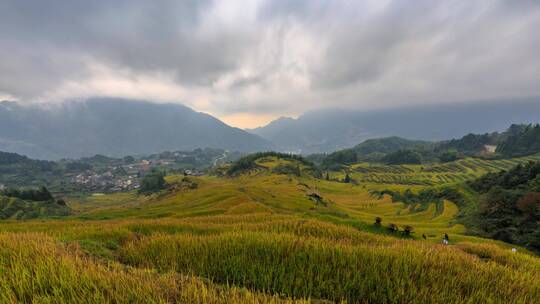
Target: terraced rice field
430, 175
262, 238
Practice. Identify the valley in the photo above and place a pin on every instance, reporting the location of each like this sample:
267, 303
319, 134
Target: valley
268, 235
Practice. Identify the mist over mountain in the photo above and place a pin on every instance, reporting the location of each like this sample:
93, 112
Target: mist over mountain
333, 129
115, 127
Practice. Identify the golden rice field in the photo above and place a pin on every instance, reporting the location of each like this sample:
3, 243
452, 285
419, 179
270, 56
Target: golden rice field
261, 238
436, 174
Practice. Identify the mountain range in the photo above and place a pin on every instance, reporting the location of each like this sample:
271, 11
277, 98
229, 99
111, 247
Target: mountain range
115, 127
118, 127
329, 130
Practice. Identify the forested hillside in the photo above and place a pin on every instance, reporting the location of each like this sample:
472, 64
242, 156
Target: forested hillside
22, 204
517, 140
526, 140
19, 170
509, 205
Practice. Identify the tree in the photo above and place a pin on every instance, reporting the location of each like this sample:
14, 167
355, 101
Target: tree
153, 182
529, 205
449, 155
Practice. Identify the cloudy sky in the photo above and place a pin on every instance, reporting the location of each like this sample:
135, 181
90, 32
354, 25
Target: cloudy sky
248, 62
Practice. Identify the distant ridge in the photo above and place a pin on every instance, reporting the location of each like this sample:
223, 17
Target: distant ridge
334, 129
115, 127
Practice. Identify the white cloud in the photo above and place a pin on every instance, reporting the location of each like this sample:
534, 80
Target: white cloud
270, 58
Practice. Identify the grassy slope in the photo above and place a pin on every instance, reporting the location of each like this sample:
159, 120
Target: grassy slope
262, 231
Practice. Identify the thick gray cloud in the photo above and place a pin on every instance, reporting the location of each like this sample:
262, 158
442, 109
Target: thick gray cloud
276, 57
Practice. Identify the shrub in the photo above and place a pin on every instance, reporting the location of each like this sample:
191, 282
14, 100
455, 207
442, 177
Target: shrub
408, 230
393, 227
347, 178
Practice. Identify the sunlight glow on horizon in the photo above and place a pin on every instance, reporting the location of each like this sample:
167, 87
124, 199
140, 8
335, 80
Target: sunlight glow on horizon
248, 120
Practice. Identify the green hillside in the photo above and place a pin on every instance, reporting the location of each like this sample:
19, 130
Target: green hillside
15, 208
516, 141
30, 203
510, 205
373, 150
19, 170
269, 235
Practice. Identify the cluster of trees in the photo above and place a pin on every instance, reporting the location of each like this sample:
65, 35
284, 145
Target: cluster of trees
509, 205
30, 203
519, 177
449, 155
153, 181
38, 195
470, 144
517, 140
403, 157
522, 140
15, 208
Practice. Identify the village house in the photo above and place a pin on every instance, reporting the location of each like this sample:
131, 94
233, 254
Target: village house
488, 149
